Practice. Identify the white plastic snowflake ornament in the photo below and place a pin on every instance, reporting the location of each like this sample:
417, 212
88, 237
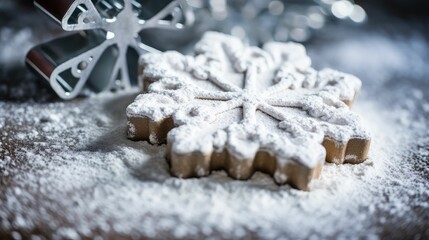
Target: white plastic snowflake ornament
104, 53
244, 109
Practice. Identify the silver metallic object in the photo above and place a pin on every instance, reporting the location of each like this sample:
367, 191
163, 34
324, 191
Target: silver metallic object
103, 54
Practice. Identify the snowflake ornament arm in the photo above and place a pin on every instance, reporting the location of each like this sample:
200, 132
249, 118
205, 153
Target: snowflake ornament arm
103, 55
245, 109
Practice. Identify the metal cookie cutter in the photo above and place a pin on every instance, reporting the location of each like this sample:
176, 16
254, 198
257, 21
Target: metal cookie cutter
103, 55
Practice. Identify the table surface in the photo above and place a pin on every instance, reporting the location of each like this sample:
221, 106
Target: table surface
67, 169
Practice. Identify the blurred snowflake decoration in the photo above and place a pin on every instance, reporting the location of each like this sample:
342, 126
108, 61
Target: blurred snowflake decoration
102, 54
280, 20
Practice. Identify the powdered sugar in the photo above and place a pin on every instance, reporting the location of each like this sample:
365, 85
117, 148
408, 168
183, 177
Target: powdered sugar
276, 81
82, 170
81, 177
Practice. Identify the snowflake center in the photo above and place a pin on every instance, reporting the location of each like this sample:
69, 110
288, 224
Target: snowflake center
250, 97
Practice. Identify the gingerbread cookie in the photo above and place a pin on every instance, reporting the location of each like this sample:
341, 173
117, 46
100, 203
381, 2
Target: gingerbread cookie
245, 109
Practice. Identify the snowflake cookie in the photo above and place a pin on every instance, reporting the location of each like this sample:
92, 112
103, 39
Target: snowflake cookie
245, 109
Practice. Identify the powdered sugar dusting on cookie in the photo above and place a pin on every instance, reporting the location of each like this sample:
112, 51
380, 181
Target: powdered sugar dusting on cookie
277, 81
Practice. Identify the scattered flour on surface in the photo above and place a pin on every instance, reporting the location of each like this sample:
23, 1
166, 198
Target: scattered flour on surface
69, 170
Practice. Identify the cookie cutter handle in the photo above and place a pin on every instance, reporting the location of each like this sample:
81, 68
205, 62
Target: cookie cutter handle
60, 63
42, 64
